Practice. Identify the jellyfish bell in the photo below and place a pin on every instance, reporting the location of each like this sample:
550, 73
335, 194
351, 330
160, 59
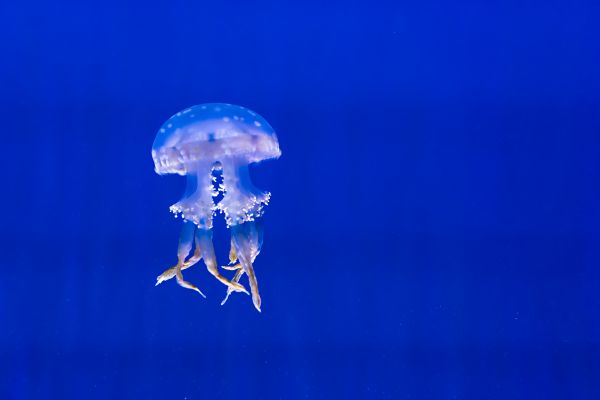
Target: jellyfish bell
196, 142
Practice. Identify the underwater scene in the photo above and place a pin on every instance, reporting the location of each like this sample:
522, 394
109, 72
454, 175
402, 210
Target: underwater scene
300, 200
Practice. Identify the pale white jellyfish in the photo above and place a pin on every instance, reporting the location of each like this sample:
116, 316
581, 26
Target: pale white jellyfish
200, 142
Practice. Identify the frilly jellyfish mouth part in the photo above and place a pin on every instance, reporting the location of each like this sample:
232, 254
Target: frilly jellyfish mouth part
196, 142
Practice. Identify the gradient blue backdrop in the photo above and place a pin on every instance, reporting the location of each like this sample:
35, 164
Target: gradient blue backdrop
434, 227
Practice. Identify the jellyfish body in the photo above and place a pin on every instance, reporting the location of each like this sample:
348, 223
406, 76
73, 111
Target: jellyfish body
200, 142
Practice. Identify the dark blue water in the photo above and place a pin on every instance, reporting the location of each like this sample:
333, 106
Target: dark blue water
434, 229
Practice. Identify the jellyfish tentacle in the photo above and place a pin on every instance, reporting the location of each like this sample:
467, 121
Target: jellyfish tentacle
204, 240
236, 278
186, 239
165, 276
203, 250
170, 273
184, 283
249, 269
232, 253
247, 238
193, 260
234, 267
233, 264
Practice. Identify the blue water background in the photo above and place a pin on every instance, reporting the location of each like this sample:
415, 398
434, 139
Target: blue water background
434, 227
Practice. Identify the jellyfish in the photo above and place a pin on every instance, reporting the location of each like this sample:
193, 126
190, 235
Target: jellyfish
212, 145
